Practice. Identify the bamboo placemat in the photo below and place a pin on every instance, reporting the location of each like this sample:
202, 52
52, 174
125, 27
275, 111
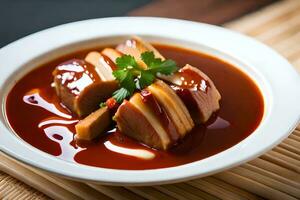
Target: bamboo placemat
274, 175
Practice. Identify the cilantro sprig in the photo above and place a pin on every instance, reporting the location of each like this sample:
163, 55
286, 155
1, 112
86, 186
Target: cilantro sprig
131, 76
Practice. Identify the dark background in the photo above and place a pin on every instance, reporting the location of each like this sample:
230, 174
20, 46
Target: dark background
19, 18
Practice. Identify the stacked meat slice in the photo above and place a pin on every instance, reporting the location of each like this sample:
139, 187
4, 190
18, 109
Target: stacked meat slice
158, 116
197, 92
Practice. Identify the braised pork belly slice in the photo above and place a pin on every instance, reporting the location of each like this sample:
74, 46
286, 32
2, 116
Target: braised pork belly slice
94, 125
197, 91
112, 54
81, 86
173, 105
135, 47
136, 120
103, 65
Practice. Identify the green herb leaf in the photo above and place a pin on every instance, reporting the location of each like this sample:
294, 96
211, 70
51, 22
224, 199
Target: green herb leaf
145, 79
125, 78
102, 104
131, 76
149, 59
120, 74
166, 67
128, 82
121, 94
156, 65
126, 61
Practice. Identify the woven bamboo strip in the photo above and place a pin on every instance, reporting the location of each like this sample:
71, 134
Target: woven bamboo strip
287, 153
282, 160
14, 195
18, 171
77, 188
215, 190
277, 33
272, 183
295, 137
116, 192
285, 44
297, 132
270, 16
277, 186
295, 54
290, 148
149, 193
270, 179
253, 186
284, 157
190, 189
82, 190
11, 188
231, 188
287, 33
277, 172
291, 142
291, 176
179, 193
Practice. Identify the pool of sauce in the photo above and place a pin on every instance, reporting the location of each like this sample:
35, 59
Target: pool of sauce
37, 116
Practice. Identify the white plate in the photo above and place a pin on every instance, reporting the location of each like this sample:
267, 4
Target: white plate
276, 78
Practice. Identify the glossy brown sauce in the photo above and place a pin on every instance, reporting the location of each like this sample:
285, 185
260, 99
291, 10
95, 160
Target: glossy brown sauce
37, 116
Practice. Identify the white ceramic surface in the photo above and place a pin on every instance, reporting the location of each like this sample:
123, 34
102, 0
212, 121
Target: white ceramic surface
276, 78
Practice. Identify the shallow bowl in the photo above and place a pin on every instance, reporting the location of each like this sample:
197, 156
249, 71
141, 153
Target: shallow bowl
275, 77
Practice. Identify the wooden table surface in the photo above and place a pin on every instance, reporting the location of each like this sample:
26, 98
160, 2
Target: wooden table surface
275, 175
